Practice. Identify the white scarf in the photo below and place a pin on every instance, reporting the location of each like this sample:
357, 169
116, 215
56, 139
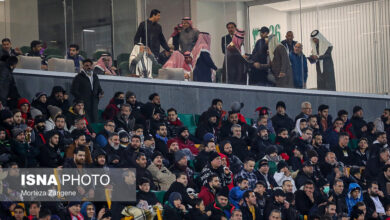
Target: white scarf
139, 67
324, 44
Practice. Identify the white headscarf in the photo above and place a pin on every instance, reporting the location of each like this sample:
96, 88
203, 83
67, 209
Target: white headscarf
324, 44
298, 126
140, 67
272, 44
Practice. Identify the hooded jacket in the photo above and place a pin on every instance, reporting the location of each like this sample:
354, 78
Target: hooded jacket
26, 116
83, 211
111, 110
351, 201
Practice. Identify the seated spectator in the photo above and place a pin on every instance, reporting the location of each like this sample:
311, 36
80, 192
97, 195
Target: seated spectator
114, 150
162, 177
74, 112
306, 198
209, 126
203, 157
99, 158
278, 205
361, 154
184, 141
6, 153
34, 210
141, 61
342, 151
102, 137
73, 54
141, 169
283, 174
305, 174
144, 193
250, 209
221, 207
208, 192
79, 139
161, 140
136, 105
50, 153
148, 146
124, 120
215, 167
60, 127
303, 141
180, 186
328, 166
113, 107
248, 173
40, 103
357, 126
198, 212
273, 159
384, 180
36, 51
323, 118
37, 134
320, 148
72, 211
235, 163
174, 209
24, 107
283, 143
173, 123
19, 211
9, 94
300, 124
81, 124
58, 98
238, 142
374, 199
262, 174
226, 129
129, 154
376, 164
53, 113
173, 147
18, 121
281, 119
237, 192
379, 143
355, 195
26, 154
261, 195
154, 105
332, 134
104, 66
216, 105
6, 48
124, 138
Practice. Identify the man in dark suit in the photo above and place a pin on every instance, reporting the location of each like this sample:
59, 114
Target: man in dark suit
231, 27
86, 87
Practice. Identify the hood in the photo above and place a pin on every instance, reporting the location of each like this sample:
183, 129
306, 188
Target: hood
23, 101
353, 186
84, 209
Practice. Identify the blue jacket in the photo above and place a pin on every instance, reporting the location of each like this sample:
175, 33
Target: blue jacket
351, 201
297, 69
235, 195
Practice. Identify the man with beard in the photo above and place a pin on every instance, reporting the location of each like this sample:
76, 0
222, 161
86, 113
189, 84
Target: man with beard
208, 192
249, 208
208, 127
79, 139
306, 198
128, 154
281, 119
278, 202
50, 153
313, 123
162, 177
342, 151
65, 136
239, 145
382, 124
236, 193
376, 164
203, 157
321, 149
215, 167
173, 123
161, 139
142, 171
304, 175
303, 142
99, 158
112, 109
6, 154
261, 143
247, 132
101, 138
184, 141
6, 122
261, 195
263, 174
173, 147
58, 98
235, 162
283, 143
324, 120
78, 160
358, 126
74, 112
124, 120
337, 196
136, 106
180, 186
374, 199
153, 106
221, 207
38, 139
248, 173
328, 166
216, 105
379, 143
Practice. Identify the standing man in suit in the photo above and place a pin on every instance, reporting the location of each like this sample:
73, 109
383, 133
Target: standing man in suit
231, 27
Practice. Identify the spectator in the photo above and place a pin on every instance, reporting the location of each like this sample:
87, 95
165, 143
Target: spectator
306, 111
58, 98
174, 209
289, 42
113, 107
215, 167
180, 186
141, 169
306, 198
164, 56
208, 192
75, 112
19, 213
382, 123
313, 124
221, 207
227, 39
74, 54
302, 142
184, 142
86, 86
261, 142
319, 147
278, 202
79, 139
18, 121
354, 195
342, 151
25, 153
162, 177
358, 126
377, 163
379, 143
99, 158
209, 126
102, 137
227, 149
161, 140
60, 127
324, 119
6, 153
283, 143
262, 174
8, 91
35, 51
280, 67
330, 210
300, 124
248, 173
203, 157
384, 180
6, 48
153, 106
124, 120
50, 153
304, 175
45, 214
332, 134
198, 212
238, 142
40, 103
141, 61
78, 159
153, 31
37, 134
173, 123
114, 150
329, 165
281, 119
283, 174
216, 105
188, 35
104, 66
72, 211
299, 65
374, 201
237, 192
249, 208
144, 192
361, 154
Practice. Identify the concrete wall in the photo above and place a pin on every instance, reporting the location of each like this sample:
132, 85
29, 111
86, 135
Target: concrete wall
192, 97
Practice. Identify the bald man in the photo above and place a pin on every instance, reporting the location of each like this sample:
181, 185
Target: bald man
299, 66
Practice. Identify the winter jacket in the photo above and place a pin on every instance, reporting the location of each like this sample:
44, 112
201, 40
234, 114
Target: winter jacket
172, 127
207, 195
162, 178
225, 179
8, 87
187, 144
350, 200
343, 154
50, 157
69, 153
250, 176
122, 124
150, 197
180, 188
268, 180
26, 154
235, 195
299, 69
282, 121
111, 110
240, 147
217, 212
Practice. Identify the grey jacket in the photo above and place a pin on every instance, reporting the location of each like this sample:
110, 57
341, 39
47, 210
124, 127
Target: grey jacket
188, 38
281, 64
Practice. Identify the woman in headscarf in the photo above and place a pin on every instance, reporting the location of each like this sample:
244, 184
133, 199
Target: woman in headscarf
104, 65
322, 57
141, 61
234, 65
280, 63
202, 62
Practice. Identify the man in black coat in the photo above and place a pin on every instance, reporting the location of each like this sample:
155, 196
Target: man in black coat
306, 199
124, 120
180, 186
383, 180
337, 196
161, 140
247, 131
304, 175
261, 143
262, 174
358, 124
379, 143
225, 41
8, 90
153, 106
49, 155
142, 171
208, 127
86, 86
376, 164
154, 33
324, 120
281, 119
342, 151
239, 144
374, 199
250, 203
278, 202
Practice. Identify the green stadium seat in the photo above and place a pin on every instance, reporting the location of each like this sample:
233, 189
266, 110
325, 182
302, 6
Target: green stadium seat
53, 51
187, 119
83, 54
122, 57
159, 195
100, 112
197, 119
192, 130
353, 144
272, 137
124, 68
249, 121
25, 49
97, 127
